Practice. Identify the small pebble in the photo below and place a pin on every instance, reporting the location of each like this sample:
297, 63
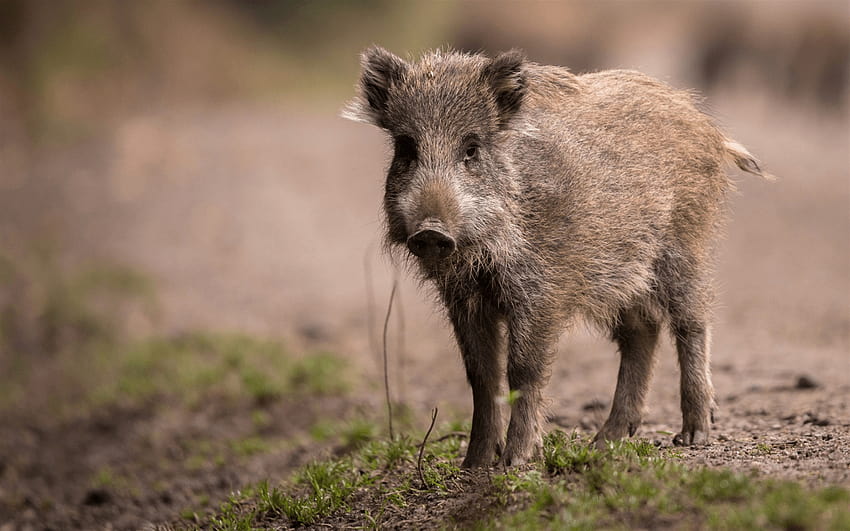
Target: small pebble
814, 420
594, 405
314, 332
806, 382
586, 423
97, 497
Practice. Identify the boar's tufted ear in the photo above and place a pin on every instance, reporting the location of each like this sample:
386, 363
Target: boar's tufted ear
506, 77
381, 70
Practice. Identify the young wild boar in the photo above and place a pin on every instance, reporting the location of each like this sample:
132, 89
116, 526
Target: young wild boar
530, 196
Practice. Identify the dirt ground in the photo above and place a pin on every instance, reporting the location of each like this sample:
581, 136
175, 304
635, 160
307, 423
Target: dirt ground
267, 220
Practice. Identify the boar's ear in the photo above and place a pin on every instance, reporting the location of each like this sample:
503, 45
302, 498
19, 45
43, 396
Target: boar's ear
381, 70
506, 77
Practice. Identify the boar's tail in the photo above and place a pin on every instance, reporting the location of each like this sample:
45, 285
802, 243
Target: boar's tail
739, 156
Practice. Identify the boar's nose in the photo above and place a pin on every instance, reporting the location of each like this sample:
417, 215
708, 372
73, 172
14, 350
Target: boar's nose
431, 244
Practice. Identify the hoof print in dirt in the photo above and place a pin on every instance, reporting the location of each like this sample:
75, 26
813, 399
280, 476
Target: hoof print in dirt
814, 420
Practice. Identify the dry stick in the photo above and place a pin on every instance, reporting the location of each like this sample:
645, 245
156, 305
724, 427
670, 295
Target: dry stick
451, 434
458, 434
386, 373
370, 304
422, 448
400, 380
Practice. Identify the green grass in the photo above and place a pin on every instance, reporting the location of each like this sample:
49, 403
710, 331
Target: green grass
194, 367
323, 487
576, 486
632, 484
45, 310
79, 322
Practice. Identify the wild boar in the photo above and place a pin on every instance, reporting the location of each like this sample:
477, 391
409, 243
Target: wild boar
530, 197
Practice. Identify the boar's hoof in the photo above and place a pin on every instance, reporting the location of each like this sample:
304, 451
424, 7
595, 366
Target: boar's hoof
481, 453
515, 456
695, 438
614, 431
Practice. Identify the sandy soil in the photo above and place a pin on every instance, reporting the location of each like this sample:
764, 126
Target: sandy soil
268, 221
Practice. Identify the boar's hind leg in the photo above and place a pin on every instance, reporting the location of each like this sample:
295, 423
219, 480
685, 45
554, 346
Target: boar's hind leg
636, 335
686, 292
479, 338
529, 355
692, 345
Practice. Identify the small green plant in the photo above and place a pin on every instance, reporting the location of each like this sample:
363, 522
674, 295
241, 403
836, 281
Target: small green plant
250, 446
322, 430
328, 484
237, 513
358, 432
563, 454
260, 385
104, 477
763, 449
512, 396
260, 419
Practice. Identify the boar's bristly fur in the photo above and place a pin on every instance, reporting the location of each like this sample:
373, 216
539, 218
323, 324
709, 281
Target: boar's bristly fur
530, 197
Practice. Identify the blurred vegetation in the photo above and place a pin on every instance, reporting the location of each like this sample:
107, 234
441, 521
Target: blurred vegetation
196, 366
90, 334
68, 67
44, 309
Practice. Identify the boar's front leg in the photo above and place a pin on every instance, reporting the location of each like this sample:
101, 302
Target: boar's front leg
479, 339
530, 342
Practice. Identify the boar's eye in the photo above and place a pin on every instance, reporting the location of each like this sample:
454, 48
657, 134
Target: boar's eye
471, 149
405, 148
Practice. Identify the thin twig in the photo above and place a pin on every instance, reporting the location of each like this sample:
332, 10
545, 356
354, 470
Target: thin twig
370, 304
401, 353
386, 372
458, 434
422, 448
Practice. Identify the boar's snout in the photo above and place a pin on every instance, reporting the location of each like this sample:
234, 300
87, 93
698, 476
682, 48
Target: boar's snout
431, 243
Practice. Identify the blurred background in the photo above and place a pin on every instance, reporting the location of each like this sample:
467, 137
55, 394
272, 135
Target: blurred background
198, 144
176, 188
189, 154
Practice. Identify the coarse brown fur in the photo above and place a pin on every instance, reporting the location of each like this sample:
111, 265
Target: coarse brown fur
554, 196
